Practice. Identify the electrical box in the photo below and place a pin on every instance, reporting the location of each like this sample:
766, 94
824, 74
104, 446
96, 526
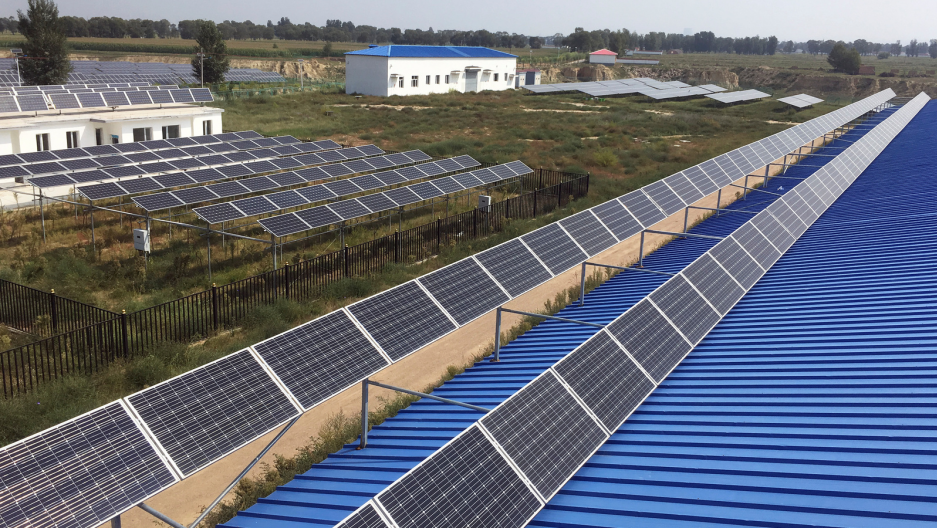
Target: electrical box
141, 240
484, 203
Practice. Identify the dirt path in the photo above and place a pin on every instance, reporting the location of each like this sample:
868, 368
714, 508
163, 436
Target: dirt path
560, 111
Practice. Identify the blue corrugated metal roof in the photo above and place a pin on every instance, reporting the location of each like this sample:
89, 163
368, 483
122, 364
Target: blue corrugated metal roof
331, 490
454, 52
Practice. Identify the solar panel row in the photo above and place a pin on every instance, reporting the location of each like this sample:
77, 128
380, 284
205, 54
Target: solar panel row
546, 433
89, 469
645, 86
323, 215
316, 193
42, 101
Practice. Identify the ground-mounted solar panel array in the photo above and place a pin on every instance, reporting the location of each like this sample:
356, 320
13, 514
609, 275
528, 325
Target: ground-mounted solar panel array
90, 72
801, 100
644, 344
494, 474
652, 88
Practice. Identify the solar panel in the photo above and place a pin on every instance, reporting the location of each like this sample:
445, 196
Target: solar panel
13, 171
260, 183
432, 169
464, 290
519, 168
321, 358
554, 247
348, 209
650, 339
411, 173
204, 175
485, 175
181, 96
139, 185
702, 182
545, 432
390, 177
586, 230
139, 98
287, 199
398, 159
8, 104
448, 185
214, 214
801, 209
101, 191
91, 100
161, 96
715, 284
240, 156
426, 190
402, 320
157, 202
467, 180
35, 157
664, 197
234, 171
502, 171
684, 188
313, 174
773, 230
67, 475
115, 99
318, 216
283, 225
685, 308
367, 182
608, 381
202, 95
642, 208
331, 156
64, 101
757, 245
737, 262
51, 181
125, 171
417, 155
358, 165
88, 176
449, 165
342, 187
316, 193
466, 483
194, 195
366, 517
186, 163
32, 103
79, 164
367, 150
466, 162
377, 202
617, 219
237, 402
402, 196
215, 159
175, 179
45, 168
380, 162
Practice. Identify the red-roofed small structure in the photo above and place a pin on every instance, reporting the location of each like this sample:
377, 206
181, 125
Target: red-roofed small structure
603, 56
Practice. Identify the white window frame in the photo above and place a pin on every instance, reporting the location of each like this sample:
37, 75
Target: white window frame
414, 81
437, 79
447, 79
206, 127
496, 77
401, 82
167, 128
42, 142
71, 139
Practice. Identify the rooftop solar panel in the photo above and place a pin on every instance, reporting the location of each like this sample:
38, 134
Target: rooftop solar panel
402, 319
64, 101
91, 100
685, 308
714, 283
545, 432
32, 103
514, 267
606, 379
650, 339
116, 99
756, 245
466, 483
238, 401
8, 104
737, 262
366, 517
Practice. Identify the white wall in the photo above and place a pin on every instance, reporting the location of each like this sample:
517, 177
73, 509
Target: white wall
23, 139
602, 59
373, 75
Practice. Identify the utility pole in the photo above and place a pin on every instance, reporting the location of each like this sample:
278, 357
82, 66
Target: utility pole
201, 63
17, 53
300, 61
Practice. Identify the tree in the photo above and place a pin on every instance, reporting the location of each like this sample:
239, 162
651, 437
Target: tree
912, 48
771, 47
535, 42
789, 46
209, 41
46, 53
813, 46
844, 60
895, 49
933, 49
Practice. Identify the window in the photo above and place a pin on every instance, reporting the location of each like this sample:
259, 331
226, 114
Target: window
71, 139
143, 134
447, 79
170, 132
437, 79
206, 128
496, 77
42, 142
401, 82
98, 136
427, 80
415, 81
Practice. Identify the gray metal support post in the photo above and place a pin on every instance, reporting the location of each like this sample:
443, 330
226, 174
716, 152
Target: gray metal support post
719, 200
430, 397
149, 509
745, 192
497, 357
42, 216
582, 286
273, 242
364, 414
208, 243
767, 173
115, 522
686, 217
94, 245
641, 252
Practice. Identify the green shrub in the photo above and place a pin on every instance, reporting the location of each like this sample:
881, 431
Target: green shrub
605, 157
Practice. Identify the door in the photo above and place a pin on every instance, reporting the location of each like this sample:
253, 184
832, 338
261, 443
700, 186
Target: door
471, 81
531, 78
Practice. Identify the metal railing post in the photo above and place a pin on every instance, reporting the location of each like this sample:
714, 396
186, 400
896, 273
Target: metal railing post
214, 307
124, 339
497, 357
54, 311
582, 286
364, 414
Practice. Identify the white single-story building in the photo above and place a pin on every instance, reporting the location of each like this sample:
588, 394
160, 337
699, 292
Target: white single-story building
61, 129
527, 77
603, 56
421, 70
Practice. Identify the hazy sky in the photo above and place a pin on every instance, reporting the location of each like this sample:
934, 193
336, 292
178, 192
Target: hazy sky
789, 19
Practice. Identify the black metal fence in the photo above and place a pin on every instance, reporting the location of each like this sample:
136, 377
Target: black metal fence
88, 338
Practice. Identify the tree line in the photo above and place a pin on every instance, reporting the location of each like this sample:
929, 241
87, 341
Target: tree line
823, 47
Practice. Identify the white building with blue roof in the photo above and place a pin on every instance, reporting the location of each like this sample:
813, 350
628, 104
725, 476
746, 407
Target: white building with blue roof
422, 70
